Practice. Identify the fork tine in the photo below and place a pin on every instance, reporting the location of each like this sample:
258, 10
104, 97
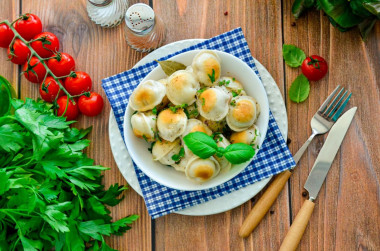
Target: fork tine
327, 101
341, 107
337, 104
331, 105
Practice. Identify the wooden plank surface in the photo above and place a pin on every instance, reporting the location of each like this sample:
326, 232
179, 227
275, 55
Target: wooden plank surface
348, 206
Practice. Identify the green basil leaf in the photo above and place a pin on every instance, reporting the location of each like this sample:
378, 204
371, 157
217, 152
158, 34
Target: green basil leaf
200, 144
341, 12
299, 90
373, 7
239, 153
293, 55
169, 67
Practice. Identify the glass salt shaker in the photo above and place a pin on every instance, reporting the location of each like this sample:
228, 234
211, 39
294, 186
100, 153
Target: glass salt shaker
144, 31
107, 13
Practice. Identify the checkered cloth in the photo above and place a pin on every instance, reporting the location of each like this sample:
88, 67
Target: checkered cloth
273, 157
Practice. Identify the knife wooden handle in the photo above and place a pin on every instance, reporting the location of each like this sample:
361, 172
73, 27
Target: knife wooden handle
294, 235
264, 203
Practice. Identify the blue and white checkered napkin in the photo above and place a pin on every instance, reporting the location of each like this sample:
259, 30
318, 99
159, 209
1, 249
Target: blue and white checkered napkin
273, 157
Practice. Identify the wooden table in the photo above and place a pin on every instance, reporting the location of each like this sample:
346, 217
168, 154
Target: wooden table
347, 214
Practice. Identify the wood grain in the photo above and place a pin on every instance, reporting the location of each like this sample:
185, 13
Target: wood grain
348, 206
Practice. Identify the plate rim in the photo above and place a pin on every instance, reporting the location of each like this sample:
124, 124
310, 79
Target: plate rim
200, 209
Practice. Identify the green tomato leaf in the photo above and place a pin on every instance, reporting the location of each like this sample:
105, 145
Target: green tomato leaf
239, 153
293, 55
299, 90
200, 144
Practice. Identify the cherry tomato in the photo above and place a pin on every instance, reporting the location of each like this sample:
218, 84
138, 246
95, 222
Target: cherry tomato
6, 35
62, 64
19, 52
47, 45
91, 106
35, 72
28, 26
314, 67
49, 89
78, 84
72, 111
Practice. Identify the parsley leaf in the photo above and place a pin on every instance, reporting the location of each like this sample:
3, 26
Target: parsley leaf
212, 76
178, 157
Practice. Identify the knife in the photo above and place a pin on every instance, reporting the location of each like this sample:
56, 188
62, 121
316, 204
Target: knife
316, 178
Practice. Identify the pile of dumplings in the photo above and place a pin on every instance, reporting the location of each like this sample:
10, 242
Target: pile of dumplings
195, 99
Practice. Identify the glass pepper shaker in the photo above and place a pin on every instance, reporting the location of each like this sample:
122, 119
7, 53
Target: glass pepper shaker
144, 31
107, 13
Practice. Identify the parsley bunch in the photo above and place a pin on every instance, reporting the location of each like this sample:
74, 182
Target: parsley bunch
51, 196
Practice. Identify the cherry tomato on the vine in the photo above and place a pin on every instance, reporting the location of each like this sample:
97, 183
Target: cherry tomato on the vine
49, 89
62, 64
47, 44
18, 53
79, 83
35, 72
28, 26
91, 106
72, 110
6, 35
314, 67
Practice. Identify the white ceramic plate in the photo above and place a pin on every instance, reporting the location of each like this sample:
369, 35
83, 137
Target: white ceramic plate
228, 201
138, 148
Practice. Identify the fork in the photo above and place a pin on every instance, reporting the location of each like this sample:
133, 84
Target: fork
321, 123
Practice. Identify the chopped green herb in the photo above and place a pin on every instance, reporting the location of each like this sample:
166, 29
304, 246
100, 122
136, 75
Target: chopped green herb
194, 113
175, 108
156, 136
233, 79
145, 138
154, 111
237, 93
212, 76
203, 101
217, 137
233, 103
134, 112
201, 90
177, 157
151, 146
224, 82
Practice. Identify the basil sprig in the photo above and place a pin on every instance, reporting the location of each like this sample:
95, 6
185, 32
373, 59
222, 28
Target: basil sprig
293, 55
204, 147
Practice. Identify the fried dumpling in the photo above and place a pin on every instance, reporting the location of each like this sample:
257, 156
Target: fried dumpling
243, 112
206, 67
171, 124
195, 125
213, 103
144, 125
147, 95
201, 170
215, 126
163, 151
182, 87
251, 137
232, 86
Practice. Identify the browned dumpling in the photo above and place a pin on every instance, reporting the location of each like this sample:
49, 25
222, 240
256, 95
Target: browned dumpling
147, 95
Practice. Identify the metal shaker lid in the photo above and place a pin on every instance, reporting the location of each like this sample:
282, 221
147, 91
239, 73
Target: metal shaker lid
139, 17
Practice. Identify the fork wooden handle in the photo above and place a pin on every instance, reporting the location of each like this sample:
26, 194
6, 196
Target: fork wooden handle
294, 235
264, 203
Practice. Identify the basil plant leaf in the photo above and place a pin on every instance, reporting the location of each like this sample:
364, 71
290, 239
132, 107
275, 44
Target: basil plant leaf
200, 144
299, 90
299, 6
293, 55
239, 153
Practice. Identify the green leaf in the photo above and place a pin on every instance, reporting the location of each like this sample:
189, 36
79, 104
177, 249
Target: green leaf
239, 153
109, 196
200, 144
30, 245
169, 67
299, 6
178, 157
4, 181
293, 55
97, 206
366, 27
11, 138
95, 229
373, 7
120, 226
56, 219
299, 90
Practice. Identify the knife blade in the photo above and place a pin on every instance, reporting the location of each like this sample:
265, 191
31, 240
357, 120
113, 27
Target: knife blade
317, 177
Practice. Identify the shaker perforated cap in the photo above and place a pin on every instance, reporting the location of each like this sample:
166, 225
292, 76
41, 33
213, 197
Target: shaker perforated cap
139, 17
